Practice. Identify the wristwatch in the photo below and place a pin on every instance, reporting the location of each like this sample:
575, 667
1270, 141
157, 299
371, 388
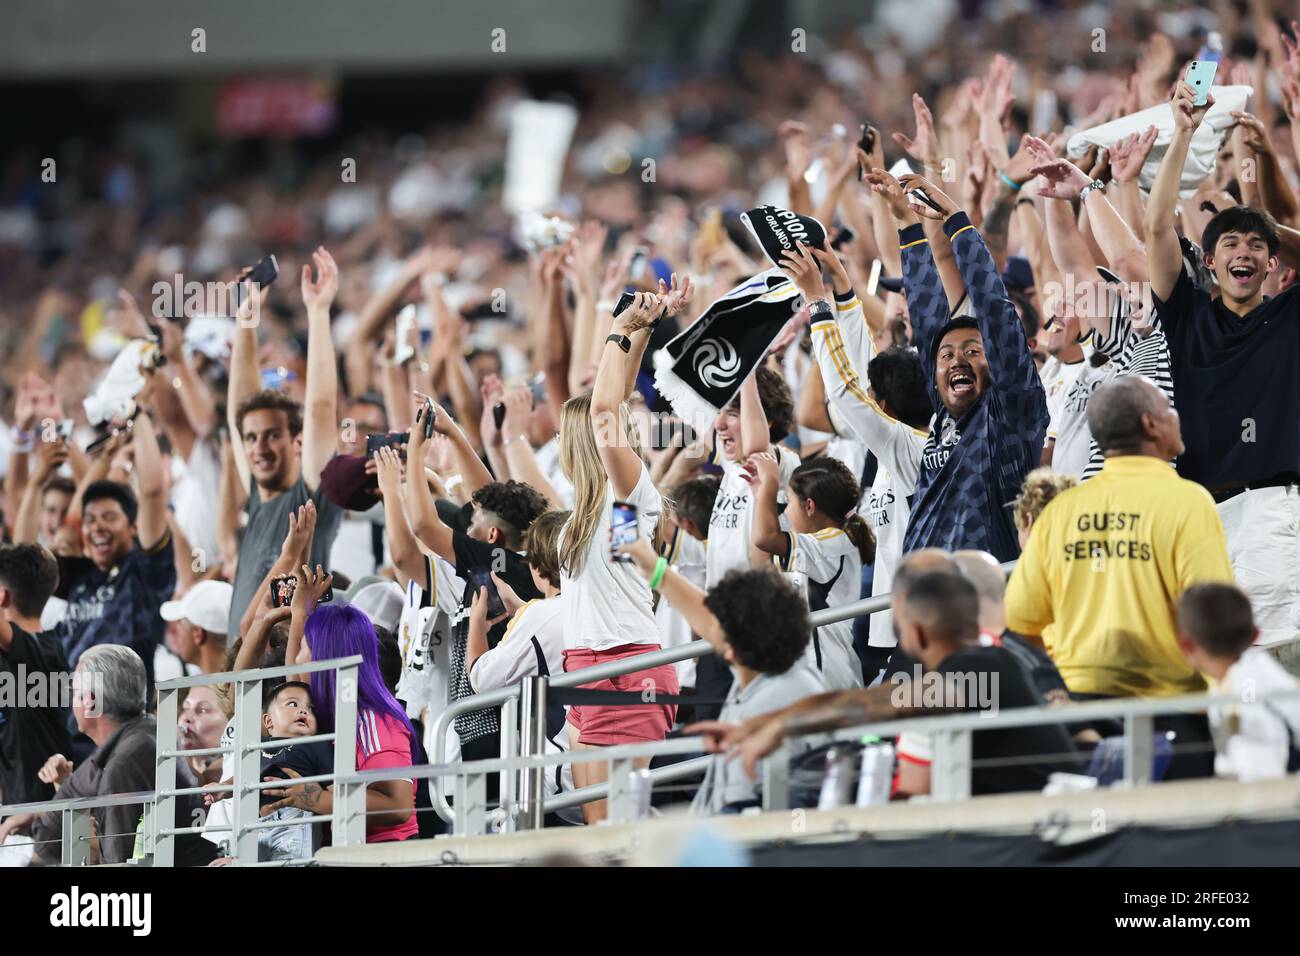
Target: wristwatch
1095, 184
622, 341
820, 306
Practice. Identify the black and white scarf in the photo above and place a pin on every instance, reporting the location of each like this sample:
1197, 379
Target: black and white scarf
700, 371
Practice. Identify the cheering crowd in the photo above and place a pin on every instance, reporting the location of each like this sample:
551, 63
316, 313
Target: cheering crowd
1026, 315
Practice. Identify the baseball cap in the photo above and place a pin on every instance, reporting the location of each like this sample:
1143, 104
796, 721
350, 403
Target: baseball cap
345, 482
379, 599
206, 605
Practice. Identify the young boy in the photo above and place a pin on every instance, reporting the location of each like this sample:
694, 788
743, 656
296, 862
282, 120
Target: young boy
1216, 630
286, 713
758, 623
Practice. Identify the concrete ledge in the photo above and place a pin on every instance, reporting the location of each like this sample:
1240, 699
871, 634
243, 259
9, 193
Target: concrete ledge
1062, 819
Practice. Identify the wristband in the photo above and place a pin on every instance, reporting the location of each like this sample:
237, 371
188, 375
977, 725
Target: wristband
1095, 184
622, 341
657, 578
505, 442
1014, 186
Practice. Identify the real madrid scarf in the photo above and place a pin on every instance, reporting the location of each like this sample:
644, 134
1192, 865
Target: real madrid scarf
701, 370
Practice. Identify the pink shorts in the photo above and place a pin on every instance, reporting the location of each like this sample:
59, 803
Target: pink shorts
605, 725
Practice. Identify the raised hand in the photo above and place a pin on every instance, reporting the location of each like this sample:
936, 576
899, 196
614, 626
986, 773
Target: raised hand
1061, 179
924, 147
1254, 132
388, 468
804, 272
675, 296
643, 310
831, 260
302, 527
320, 294
886, 186
1129, 155
1188, 116
946, 206
311, 587
519, 410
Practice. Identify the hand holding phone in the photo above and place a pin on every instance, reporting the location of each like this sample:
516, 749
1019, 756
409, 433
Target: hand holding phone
1200, 77
623, 529
378, 440
482, 579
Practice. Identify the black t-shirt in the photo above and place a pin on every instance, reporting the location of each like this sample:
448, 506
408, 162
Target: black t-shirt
1237, 380
31, 729
306, 760
471, 556
1016, 758
117, 606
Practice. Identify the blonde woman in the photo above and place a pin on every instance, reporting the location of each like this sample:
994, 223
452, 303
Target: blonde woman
609, 611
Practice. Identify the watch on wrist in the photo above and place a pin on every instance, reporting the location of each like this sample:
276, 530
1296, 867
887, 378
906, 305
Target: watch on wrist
622, 341
820, 306
1095, 184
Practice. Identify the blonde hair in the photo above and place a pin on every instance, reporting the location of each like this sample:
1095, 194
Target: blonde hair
581, 463
1040, 487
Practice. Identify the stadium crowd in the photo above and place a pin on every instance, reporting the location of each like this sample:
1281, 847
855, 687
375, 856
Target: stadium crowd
1045, 309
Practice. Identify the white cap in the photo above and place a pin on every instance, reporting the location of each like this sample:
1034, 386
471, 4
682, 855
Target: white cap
206, 605
382, 602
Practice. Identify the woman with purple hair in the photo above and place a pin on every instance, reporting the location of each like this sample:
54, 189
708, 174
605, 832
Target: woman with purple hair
384, 732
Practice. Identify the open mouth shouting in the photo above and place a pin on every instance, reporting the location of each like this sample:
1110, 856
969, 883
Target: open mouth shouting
961, 382
101, 544
1242, 274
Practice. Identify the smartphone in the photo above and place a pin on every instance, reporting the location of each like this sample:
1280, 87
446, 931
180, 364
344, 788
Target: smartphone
483, 579
430, 416
538, 387
843, 238
1200, 77
640, 259
378, 440
624, 301
282, 589
263, 273
866, 143
623, 529
920, 196
499, 414
65, 429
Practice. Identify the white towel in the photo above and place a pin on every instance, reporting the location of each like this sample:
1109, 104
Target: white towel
1204, 148
115, 394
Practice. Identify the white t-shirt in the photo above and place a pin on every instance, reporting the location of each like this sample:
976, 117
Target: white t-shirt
536, 625
196, 487
424, 635
731, 525
826, 567
1067, 424
353, 551
609, 603
548, 463
687, 558
1252, 740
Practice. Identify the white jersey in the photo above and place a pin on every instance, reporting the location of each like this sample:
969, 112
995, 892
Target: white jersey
826, 567
425, 637
731, 524
843, 349
609, 603
688, 558
1067, 425
533, 638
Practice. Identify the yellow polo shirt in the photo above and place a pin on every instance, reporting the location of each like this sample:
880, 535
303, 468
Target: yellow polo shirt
1105, 564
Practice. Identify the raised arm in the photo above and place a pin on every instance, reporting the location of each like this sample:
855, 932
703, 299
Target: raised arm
519, 453
1274, 191
49, 457
320, 430
151, 485
764, 476
684, 596
423, 513
405, 550
1164, 257
622, 464
245, 379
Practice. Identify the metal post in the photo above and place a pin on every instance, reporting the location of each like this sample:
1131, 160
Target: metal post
951, 767
1138, 730
622, 800
349, 826
776, 779
164, 815
471, 795
509, 787
245, 807
532, 793
75, 848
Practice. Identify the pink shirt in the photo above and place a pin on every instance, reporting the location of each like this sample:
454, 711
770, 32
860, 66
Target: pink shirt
382, 743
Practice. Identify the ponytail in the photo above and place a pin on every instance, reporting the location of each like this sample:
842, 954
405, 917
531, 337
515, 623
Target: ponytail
859, 532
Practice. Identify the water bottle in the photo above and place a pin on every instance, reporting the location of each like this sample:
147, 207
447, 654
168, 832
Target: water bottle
837, 782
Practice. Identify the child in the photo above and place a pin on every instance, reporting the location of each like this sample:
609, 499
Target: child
688, 507
286, 713
1216, 630
758, 624
823, 552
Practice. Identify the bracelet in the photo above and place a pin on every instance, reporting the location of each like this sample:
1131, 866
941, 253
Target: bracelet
505, 442
657, 578
1011, 183
1095, 184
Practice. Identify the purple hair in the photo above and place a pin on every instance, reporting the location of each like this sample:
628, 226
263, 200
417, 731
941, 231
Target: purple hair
343, 630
